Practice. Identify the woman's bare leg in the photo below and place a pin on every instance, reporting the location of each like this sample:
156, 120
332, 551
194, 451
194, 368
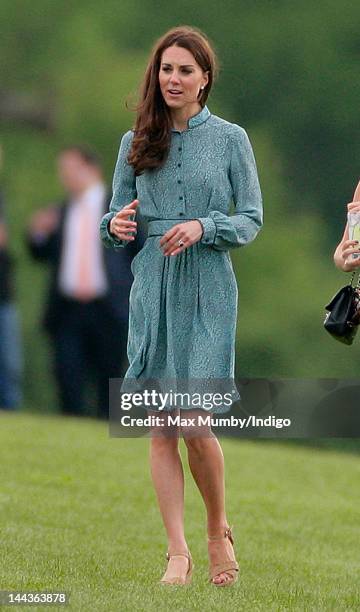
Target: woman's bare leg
168, 479
206, 461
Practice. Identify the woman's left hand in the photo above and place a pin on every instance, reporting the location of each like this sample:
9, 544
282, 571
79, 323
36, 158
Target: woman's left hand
188, 232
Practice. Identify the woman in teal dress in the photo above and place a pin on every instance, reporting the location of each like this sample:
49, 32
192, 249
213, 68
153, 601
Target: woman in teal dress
182, 166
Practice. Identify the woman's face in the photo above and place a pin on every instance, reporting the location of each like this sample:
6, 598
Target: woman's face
179, 72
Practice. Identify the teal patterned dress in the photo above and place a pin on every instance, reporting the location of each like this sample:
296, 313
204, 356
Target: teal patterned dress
183, 308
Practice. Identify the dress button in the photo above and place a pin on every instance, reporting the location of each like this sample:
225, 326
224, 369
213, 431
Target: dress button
181, 198
179, 181
180, 149
181, 213
179, 165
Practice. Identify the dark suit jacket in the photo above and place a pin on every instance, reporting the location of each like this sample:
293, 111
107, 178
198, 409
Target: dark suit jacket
6, 264
6, 276
117, 268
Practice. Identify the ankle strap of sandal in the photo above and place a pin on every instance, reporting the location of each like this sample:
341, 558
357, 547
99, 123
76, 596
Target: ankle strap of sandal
227, 534
184, 554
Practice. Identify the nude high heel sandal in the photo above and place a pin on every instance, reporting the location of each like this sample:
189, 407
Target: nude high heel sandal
227, 564
180, 579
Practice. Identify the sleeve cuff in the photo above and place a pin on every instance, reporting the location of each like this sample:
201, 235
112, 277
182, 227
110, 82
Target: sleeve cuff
108, 239
209, 232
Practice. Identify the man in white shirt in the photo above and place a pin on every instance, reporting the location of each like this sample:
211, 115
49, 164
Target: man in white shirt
82, 273
87, 311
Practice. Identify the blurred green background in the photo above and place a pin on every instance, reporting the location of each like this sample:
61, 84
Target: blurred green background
289, 74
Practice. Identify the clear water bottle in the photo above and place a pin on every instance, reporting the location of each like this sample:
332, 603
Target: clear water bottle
354, 229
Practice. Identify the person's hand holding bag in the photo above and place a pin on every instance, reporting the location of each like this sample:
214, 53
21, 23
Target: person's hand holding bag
342, 255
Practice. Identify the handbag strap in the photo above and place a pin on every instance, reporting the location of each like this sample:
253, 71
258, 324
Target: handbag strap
357, 286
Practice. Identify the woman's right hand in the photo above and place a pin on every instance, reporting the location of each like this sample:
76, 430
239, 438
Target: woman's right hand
120, 225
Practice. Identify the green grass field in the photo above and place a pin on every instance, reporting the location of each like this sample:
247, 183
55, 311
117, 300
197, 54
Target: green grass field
78, 513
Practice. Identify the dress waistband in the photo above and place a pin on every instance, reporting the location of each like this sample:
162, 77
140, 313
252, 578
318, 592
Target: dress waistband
158, 227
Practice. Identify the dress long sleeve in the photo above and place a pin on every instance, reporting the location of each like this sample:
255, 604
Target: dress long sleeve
222, 231
124, 192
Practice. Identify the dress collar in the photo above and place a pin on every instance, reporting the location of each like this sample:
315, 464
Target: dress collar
197, 119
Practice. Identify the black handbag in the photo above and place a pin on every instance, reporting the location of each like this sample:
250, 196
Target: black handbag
343, 318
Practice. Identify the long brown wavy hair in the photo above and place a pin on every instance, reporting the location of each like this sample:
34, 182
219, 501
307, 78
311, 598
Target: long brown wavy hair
152, 129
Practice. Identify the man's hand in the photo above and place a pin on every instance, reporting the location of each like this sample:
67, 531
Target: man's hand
44, 221
120, 224
188, 232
